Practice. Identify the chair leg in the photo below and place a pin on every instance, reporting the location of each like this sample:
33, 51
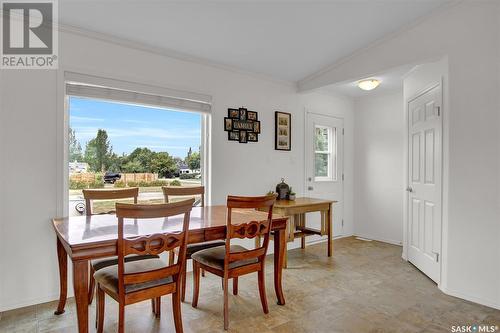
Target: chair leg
226, 304
183, 282
176, 307
101, 299
121, 318
91, 285
171, 257
158, 307
262, 289
202, 272
235, 286
196, 283
153, 305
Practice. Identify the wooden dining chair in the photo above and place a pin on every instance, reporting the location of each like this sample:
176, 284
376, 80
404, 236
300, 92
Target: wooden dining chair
168, 193
104, 194
232, 261
132, 282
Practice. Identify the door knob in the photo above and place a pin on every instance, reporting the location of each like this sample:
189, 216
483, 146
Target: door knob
310, 188
409, 189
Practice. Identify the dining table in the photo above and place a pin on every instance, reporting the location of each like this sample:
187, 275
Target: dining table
84, 238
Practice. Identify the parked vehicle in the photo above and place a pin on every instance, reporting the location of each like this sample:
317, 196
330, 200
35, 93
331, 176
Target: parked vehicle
111, 177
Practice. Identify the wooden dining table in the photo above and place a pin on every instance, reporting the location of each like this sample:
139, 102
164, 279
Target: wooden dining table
83, 238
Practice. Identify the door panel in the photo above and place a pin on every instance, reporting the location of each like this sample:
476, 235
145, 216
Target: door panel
324, 166
424, 183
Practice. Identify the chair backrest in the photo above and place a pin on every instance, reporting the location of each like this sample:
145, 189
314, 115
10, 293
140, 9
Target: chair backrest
169, 191
103, 194
250, 229
151, 244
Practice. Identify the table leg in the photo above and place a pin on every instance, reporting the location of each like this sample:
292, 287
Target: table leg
62, 259
279, 252
80, 285
330, 230
302, 218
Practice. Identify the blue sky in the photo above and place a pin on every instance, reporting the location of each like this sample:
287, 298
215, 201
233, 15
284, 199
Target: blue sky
130, 126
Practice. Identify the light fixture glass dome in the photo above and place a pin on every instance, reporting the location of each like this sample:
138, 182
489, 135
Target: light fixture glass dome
368, 84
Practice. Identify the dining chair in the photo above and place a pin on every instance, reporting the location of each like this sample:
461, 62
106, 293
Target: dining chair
231, 261
104, 194
132, 282
168, 193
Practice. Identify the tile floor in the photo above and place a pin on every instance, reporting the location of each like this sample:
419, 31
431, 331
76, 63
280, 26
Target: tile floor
364, 287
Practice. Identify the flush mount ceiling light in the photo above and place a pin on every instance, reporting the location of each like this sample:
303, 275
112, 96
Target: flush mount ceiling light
368, 84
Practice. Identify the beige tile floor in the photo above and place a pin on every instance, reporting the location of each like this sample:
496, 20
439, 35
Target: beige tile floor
365, 287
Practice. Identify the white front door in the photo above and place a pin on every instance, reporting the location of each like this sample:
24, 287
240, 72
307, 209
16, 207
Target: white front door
424, 181
324, 165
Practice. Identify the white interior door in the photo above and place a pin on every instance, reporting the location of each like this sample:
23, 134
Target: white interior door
324, 165
424, 181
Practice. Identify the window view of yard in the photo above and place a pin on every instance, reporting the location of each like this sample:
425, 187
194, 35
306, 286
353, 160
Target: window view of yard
115, 145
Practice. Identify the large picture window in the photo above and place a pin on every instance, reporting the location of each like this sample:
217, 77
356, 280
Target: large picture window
117, 145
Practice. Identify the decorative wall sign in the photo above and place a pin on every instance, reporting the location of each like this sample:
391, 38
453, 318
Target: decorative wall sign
282, 131
242, 125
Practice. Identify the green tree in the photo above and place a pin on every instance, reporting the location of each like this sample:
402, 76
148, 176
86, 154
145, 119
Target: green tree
75, 149
98, 152
193, 161
163, 164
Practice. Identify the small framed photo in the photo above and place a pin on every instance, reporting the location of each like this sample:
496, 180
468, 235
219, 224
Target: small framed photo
234, 113
252, 137
252, 115
233, 136
228, 124
243, 137
256, 127
243, 114
282, 131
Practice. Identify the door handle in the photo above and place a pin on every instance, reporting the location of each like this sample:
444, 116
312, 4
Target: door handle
409, 189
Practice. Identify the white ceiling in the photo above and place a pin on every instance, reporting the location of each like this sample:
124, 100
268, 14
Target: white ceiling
286, 40
390, 81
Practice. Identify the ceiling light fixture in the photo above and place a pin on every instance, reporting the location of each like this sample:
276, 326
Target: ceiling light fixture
368, 84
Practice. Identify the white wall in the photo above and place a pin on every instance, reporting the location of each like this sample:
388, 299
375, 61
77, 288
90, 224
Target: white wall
379, 167
468, 35
31, 143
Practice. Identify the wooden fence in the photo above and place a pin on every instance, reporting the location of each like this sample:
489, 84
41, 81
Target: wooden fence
126, 177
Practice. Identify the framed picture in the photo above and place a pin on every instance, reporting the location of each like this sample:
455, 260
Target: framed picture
243, 114
282, 131
234, 113
256, 127
243, 137
228, 124
252, 137
233, 136
242, 125
252, 115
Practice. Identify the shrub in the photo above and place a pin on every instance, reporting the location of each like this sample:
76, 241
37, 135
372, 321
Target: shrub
175, 183
77, 185
99, 177
120, 184
144, 183
132, 184
158, 183
189, 175
96, 184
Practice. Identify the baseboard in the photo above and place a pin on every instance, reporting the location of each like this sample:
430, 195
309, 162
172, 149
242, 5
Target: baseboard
389, 241
474, 299
33, 301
